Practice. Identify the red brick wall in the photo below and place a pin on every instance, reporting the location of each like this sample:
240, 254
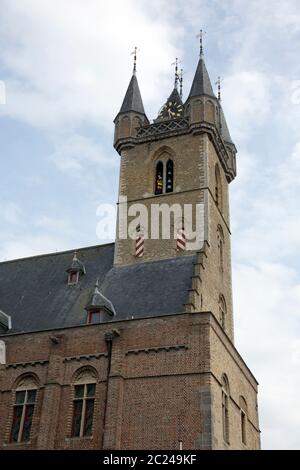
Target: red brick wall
158, 390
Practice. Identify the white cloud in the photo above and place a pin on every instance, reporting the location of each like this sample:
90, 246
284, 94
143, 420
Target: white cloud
268, 335
16, 246
76, 153
68, 65
249, 102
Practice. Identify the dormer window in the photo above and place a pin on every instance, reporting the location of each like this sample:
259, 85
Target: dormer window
99, 308
73, 279
94, 317
76, 270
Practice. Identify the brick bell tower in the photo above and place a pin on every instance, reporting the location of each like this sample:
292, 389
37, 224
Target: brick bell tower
187, 156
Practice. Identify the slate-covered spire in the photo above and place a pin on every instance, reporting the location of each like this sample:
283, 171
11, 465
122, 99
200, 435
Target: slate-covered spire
99, 301
201, 84
133, 100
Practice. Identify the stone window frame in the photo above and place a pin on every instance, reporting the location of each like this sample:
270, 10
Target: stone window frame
222, 311
70, 277
243, 419
85, 375
225, 409
164, 155
26, 382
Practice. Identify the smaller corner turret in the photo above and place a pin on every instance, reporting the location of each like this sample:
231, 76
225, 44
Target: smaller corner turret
131, 115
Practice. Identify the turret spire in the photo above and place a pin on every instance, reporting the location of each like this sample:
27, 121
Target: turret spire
201, 84
133, 100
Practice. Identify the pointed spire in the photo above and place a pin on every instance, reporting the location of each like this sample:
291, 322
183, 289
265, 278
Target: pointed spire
224, 128
201, 84
99, 301
133, 100
175, 97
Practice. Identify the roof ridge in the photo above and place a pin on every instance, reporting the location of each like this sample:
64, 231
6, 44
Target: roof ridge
56, 253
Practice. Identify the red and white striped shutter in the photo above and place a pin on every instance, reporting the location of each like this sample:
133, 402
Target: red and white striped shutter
139, 243
181, 239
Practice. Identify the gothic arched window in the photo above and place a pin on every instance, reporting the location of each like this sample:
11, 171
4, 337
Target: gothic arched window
222, 311
218, 187
225, 408
23, 409
83, 403
220, 237
159, 178
169, 176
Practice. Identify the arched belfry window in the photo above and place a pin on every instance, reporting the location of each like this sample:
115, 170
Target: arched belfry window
169, 176
159, 178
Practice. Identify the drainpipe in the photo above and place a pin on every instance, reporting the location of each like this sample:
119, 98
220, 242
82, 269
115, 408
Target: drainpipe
109, 337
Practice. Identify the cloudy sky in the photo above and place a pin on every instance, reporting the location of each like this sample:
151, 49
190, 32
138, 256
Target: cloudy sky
64, 69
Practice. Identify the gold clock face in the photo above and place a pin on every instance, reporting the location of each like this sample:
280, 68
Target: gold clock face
171, 110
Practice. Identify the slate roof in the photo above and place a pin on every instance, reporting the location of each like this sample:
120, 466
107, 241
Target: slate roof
201, 84
224, 130
133, 100
35, 293
175, 97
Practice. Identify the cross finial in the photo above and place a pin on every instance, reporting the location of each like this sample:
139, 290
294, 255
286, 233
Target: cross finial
181, 82
200, 36
176, 72
218, 82
134, 53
